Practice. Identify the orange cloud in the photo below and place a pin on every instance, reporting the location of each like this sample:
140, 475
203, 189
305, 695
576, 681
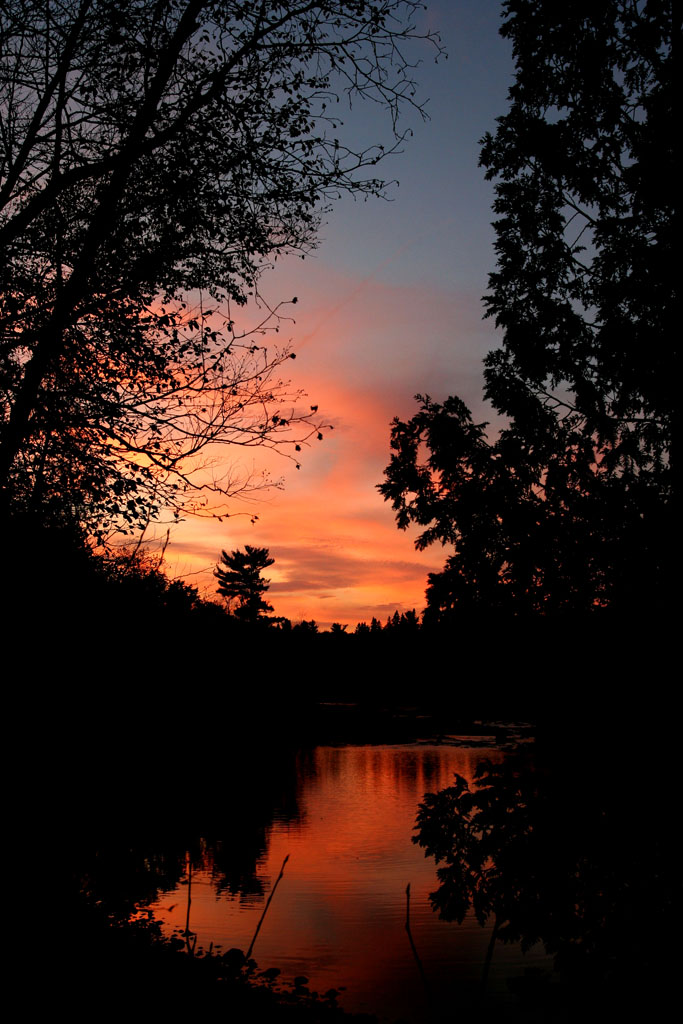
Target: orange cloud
364, 348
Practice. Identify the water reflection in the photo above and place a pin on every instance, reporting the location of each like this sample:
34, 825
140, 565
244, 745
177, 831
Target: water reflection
338, 916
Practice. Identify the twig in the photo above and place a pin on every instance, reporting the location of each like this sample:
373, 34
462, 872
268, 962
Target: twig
265, 909
188, 933
489, 957
412, 946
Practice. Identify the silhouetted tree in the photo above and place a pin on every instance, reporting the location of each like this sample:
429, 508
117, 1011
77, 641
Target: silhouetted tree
410, 621
241, 581
154, 159
545, 851
283, 624
305, 626
571, 506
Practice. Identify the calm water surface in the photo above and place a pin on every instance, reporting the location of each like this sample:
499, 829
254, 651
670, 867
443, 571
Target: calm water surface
338, 916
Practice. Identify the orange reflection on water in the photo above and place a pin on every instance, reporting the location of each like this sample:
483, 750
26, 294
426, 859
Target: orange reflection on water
338, 916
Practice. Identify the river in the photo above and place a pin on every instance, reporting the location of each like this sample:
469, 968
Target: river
338, 916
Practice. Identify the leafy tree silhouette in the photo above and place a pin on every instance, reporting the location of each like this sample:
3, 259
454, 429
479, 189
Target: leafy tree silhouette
241, 582
154, 160
546, 851
307, 627
570, 507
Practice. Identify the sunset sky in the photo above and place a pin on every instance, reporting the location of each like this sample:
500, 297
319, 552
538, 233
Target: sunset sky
388, 306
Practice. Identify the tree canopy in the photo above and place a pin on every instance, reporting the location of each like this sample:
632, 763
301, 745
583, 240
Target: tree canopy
570, 506
154, 160
241, 582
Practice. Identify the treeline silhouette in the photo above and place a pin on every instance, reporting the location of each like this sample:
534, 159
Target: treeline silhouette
121, 615
118, 630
